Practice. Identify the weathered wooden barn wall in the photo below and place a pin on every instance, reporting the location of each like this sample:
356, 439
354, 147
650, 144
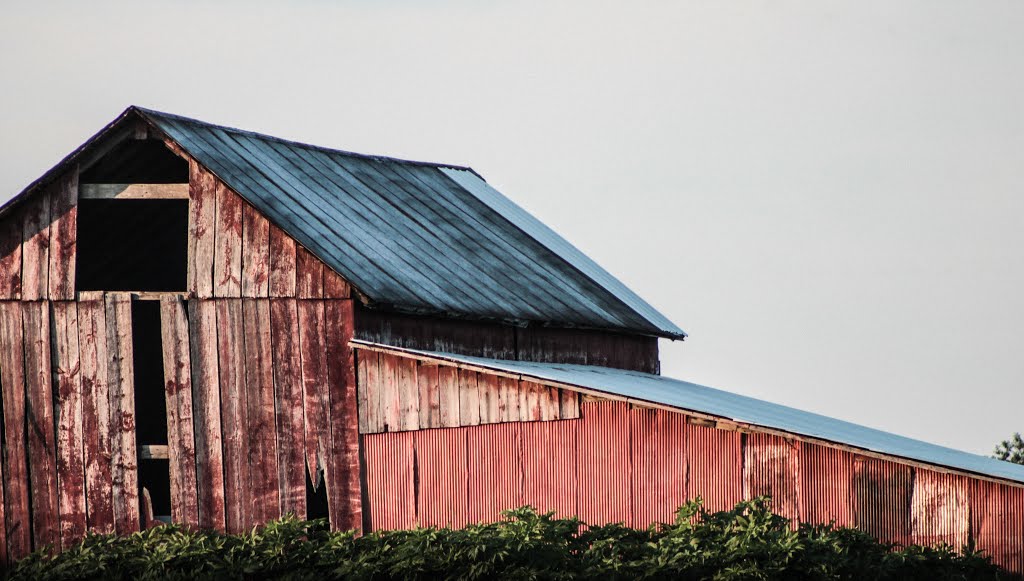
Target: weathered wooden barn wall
621, 463
534, 343
259, 378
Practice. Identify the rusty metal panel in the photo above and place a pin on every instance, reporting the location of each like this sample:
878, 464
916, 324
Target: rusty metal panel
549, 466
390, 496
495, 470
825, 476
882, 493
604, 463
658, 441
940, 509
997, 523
715, 466
771, 467
442, 477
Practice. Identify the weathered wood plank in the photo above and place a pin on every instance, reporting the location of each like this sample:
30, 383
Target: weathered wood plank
121, 387
40, 418
282, 263
92, 344
309, 275
154, 452
361, 395
202, 212
63, 235
133, 191
234, 415
35, 248
390, 393
448, 395
529, 401
17, 513
255, 253
429, 395
4, 558
284, 330
202, 329
227, 254
569, 404
335, 287
487, 386
181, 441
371, 366
408, 393
70, 454
549, 404
469, 399
509, 389
344, 493
316, 399
11, 238
259, 386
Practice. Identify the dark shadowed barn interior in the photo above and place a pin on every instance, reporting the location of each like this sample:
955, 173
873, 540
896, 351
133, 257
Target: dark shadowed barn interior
213, 327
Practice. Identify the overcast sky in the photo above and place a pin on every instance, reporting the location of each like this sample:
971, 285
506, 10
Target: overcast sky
825, 195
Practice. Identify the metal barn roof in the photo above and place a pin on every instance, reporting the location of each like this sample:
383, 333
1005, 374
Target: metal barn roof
686, 396
414, 236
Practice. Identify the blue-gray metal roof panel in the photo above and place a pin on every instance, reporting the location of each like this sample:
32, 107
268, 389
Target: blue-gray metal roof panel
688, 396
414, 236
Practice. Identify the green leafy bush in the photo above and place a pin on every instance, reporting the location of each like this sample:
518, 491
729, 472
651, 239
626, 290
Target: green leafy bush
748, 542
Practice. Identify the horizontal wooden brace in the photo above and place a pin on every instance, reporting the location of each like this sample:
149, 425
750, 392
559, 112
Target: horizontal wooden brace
153, 452
133, 191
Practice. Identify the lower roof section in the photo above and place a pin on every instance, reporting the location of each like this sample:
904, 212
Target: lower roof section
690, 397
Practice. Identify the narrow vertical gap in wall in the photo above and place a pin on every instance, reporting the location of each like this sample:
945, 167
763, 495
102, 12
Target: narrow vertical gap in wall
316, 500
151, 408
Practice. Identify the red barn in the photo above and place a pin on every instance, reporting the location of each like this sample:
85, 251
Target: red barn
209, 326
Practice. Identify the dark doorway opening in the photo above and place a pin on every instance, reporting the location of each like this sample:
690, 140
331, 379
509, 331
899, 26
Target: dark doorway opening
132, 245
150, 408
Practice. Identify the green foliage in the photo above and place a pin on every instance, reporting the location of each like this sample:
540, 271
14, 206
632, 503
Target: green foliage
1011, 450
747, 542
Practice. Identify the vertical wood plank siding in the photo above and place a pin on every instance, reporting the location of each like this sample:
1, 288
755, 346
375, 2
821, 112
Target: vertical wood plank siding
40, 419
70, 454
206, 410
121, 386
234, 415
17, 513
92, 342
181, 448
344, 489
284, 325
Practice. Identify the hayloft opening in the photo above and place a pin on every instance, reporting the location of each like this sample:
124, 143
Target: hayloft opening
138, 161
132, 245
151, 408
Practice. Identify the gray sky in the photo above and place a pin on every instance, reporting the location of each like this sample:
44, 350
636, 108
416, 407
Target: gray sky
825, 195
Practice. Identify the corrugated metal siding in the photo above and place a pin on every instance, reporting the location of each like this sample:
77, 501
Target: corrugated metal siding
659, 447
448, 249
826, 475
771, 467
687, 396
550, 467
495, 470
883, 492
618, 464
997, 523
940, 509
390, 496
604, 469
716, 466
442, 477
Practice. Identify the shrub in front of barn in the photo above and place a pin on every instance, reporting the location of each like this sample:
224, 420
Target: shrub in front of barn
747, 542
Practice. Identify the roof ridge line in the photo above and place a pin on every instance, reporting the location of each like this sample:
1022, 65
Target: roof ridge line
153, 112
